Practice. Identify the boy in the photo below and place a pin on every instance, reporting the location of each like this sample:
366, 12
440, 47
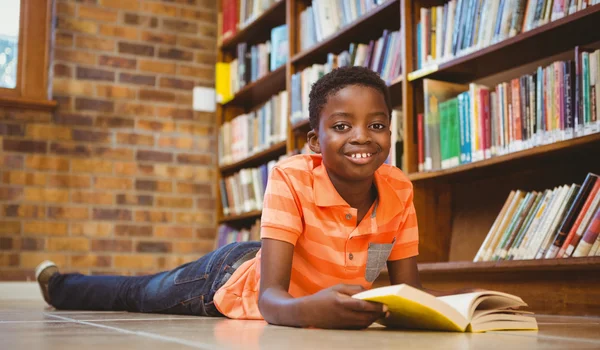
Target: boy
330, 223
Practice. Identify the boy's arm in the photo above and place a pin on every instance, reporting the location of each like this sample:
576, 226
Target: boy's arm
330, 308
406, 271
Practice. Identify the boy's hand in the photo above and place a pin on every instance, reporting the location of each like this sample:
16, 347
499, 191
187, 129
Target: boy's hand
334, 307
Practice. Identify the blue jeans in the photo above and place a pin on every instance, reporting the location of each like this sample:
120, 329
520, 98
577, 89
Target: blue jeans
186, 290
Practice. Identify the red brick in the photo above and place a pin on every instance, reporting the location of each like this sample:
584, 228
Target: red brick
159, 38
24, 178
200, 159
184, 98
193, 42
160, 9
73, 119
137, 79
48, 132
25, 146
126, 168
11, 161
46, 163
153, 185
205, 204
154, 156
65, 103
112, 245
121, 4
140, 21
95, 74
69, 213
88, 104
71, 149
176, 83
45, 228
114, 153
91, 197
178, 26
174, 232
135, 139
6, 243
35, 194
32, 244
91, 136
194, 188
10, 227
64, 39
95, 43
117, 62
206, 58
114, 122
193, 247
155, 66
176, 142
69, 181
196, 72
32, 259
10, 193
24, 211
69, 244
152, 125
63, 70
64, 8
75, 25
153, 216
174, 202
175, 54
73, 87
201, 15
119, 31
206, 232
111, 214
137, 261
175, 113
89, 260
194, 218
156, 95
207, 30
113, 183
13, 129
74, 56
95, 166
195, 129
135, 109
136, 49
132, 199
9, 260
113, 91
91, 229
133, 231
154, 247
97, 13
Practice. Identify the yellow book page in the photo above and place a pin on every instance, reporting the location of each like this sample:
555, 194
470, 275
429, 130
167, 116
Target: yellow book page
405, 313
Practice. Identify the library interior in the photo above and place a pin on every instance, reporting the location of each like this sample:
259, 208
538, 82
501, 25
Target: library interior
162, 184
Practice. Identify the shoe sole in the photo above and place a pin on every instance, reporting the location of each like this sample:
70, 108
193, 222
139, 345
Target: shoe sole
41, 267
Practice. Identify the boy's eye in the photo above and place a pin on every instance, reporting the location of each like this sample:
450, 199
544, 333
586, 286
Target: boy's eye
378, 126
340, 127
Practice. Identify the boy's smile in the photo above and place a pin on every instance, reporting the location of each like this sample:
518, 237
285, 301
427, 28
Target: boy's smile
354, 134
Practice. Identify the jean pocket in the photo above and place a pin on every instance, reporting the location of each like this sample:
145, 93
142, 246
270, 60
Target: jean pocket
377, 256
195, 270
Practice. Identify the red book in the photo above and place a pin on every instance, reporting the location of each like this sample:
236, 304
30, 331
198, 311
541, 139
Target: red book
484, 121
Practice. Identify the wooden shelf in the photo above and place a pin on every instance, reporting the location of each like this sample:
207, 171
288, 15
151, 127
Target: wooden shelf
301, 126
256, 159
241, 217
360, 30
259, 29
544, 41
259, 91
545, 150
570, 264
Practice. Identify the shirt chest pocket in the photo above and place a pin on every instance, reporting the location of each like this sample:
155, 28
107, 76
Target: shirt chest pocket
377, 256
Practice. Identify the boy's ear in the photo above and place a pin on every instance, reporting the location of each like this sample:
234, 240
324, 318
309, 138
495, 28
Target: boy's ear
313, 141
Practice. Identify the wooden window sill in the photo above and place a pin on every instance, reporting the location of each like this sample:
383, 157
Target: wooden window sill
25, 103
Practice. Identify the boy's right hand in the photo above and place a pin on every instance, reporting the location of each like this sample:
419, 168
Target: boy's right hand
334, 307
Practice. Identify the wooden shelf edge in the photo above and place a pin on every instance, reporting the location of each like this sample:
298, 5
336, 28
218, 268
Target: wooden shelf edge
275, 149
257, 83
227, 44
25, 103
301, 55
435, 67
244, 216
574, 264
581, 140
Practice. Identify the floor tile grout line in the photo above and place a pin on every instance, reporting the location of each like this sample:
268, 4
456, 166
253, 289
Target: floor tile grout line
106, 320
139, 333
546, 337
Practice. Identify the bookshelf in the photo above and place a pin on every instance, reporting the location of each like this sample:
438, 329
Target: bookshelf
457, 206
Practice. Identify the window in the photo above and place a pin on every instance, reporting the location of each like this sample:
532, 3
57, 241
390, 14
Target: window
9, 42
25, 54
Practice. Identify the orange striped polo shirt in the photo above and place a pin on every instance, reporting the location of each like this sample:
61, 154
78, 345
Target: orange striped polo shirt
302, 207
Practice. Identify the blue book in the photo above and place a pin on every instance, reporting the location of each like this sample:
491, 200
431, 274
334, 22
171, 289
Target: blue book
279, 46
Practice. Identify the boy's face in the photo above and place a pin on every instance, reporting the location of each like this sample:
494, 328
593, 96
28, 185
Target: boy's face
354, 134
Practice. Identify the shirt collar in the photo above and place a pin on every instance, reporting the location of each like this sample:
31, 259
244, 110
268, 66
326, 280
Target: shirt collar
326, 195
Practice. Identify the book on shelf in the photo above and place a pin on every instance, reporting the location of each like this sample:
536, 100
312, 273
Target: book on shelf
237, 14
227, 234
397, 139
382, 55
483, 311
561, 222
253, 132
551, 104
324, 18
460, 27
243, 191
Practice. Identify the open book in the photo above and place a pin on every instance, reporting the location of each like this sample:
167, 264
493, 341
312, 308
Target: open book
472, 312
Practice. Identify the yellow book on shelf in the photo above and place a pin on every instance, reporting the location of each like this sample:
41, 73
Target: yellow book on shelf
223, 82
483, 311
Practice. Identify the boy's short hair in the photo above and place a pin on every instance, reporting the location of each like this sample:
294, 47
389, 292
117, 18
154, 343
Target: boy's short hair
338, 79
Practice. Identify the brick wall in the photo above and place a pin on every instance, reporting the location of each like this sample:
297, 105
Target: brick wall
119, 179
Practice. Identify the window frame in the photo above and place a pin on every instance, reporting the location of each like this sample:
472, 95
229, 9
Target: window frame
32, 90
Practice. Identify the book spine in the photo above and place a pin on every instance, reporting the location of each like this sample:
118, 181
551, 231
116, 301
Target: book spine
586, 212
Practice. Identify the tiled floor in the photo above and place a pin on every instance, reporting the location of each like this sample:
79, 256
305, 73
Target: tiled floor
31, 325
